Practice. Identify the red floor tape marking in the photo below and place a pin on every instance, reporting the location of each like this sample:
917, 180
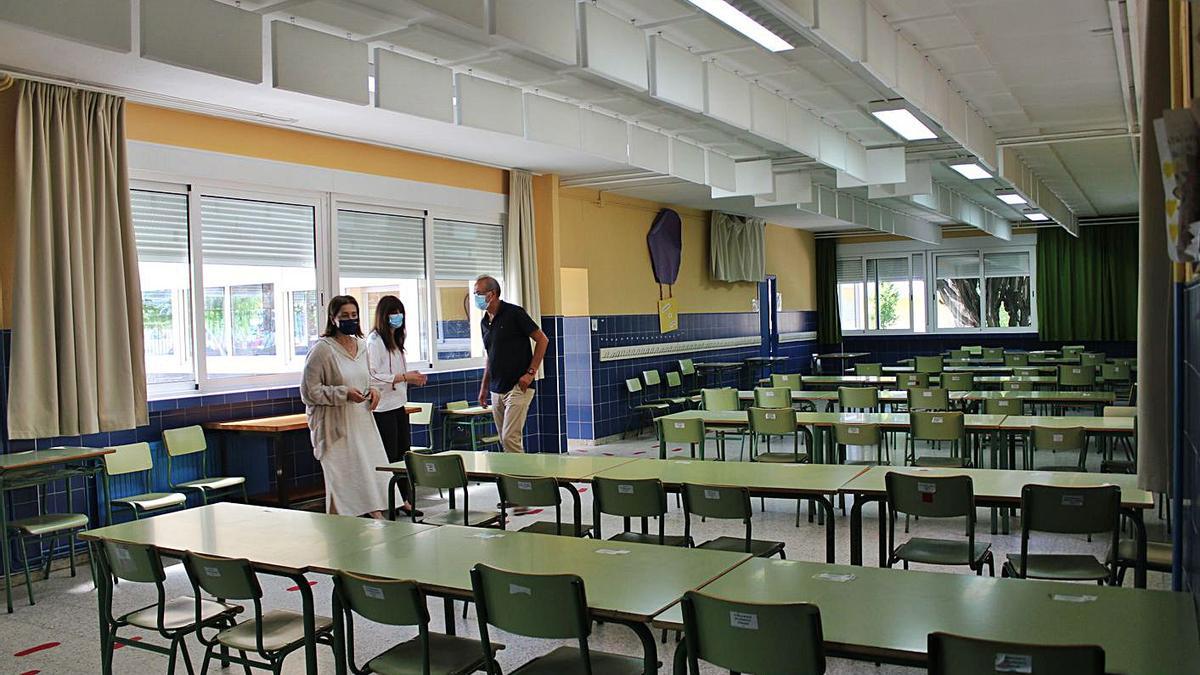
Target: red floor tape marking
531, 512
582, 490
40, 648
135, 638
293, 589
31, 672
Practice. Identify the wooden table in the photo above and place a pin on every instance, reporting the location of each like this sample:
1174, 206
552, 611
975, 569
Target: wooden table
885, 615
716, 368
1000, 380
994, 369
1097, 400
997, 488
1094, 425
830, 396
845, 358
470, 417
36, 468
848, 380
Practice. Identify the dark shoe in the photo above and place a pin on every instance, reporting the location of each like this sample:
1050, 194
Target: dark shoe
410, 512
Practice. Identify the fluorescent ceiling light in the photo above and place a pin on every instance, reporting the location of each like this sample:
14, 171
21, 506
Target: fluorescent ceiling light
971, 170
1037, 216
1011, 198
905, 124
734, 18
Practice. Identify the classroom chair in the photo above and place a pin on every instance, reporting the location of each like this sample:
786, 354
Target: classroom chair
927, 364
674, 389
654, 387
772, 397
958, 355
190, 441
724, 399
543, 606
690, 431
271, 635
471, 424
173, 619
846, 434
444, 471
868, 369
909, 380
936, 426
1117, 379
636, 498
958, 381
1016, 359
858, 399
1065, 510
746, 637
935, 497
643, 412
973, 350
1159, 557
1072, 352
786, 380
687, 368
422, 418
993, 353
1016, 385
396, 603
134, 460
1094, 359
1027, 371
1057, 439
959, 655
725, 503
1006, 407
928, 398
531, 492
768, 422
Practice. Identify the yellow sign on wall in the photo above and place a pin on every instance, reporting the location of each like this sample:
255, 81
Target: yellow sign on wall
668, 316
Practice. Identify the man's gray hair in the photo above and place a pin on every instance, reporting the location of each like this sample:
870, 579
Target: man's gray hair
489, 283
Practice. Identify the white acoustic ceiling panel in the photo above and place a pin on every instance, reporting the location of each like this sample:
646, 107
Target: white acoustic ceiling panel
484, 104
687, 161
676, 75
722, 171
649, 149
604, 135
804, 131
791, 187
833, 147
551, 121
546, 27
471, 12
955, 119
203, 35
885, 165
311, 62
937, 92
412, 86
880, 55
726, 96
101, 23
768, 114
981, 140
910, 72
754, 177
612, 48
840, 24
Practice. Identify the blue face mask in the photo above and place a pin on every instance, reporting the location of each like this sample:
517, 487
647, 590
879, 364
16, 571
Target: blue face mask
481, 302
348, 326
396, 320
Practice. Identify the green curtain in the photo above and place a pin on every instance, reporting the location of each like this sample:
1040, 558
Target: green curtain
736, 248
829, 321
1087, 287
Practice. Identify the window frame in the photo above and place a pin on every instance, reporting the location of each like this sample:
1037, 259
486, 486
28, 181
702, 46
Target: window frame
983, 327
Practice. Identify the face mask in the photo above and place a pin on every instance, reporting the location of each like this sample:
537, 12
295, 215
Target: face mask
481, 302
348, 326
396, 320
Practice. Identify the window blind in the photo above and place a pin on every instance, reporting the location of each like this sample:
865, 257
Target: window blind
957, 266
849, 270
160, 226
464, 250
380, 245
918, 266
887, 269
1006, 264
248, 232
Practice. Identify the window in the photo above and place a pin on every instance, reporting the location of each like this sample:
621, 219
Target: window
851, 301
889, 293
462, 251
882, 293
957, 290
920, 322
991, 289
160, 228
1007, 296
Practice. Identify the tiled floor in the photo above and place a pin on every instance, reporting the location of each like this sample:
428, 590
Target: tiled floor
65, 617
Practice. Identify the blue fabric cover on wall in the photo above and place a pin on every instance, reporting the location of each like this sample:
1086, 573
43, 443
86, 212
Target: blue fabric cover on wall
666, 246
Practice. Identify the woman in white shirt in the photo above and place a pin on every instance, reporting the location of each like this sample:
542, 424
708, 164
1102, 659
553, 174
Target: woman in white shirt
389, 372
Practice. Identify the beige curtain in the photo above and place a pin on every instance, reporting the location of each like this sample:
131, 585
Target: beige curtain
736, 248
520, 254
77, 361
1155, 269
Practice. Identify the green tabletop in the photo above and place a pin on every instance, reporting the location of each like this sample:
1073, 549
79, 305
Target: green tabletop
631, 582
718, 364
849, 379
574, 468
1121, 425
1004, 485
998, 369
275, 539
827, 419
1047, 396
1001, 379
885, 395
19, 461
888, 613
778, 479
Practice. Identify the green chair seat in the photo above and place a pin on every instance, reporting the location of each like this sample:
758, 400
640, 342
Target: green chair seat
652, 406
212, 484
759, 548
448, 655
550, 527
1061, 467
152, 501
782, 457
673, 400
471, 518
1158, 554
568, 661
942, 551
281, 628
49, 523
487, 440
639, 538
954, 462
179, 613
1060, 567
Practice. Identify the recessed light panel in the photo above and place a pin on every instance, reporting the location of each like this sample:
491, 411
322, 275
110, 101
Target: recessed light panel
971, 170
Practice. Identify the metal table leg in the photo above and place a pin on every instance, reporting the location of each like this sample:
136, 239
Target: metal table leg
649, 646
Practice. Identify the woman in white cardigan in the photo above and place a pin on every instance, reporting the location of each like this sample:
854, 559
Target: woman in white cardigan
338, 398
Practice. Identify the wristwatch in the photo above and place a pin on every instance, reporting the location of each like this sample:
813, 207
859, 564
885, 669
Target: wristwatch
531, 371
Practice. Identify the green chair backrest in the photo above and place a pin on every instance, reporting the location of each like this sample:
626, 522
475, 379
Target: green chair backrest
1072, 351
725, 398
773, 397
681, 430
1003, 406
907, 380
958, 381
1016, 385
674, 380
928, 398
130, 458
1127, 362
788, 380
435, 471
928, 364
528, 490
548, 606
1027, 371
1016, 359
1077, 376
387, 601
931, 496
716, 501
1091, 358
958, 655
848, 433
875, 369
633, 385
1114, 372
687, 367
1069, 510
936, 426
773, 421
457, 405
1120, 411
1051, 438
424, 415
765, 639
974, 350
858, 398
651, 378
958, 355
634, 498
134, 562
184, 440
225, 578
993, 353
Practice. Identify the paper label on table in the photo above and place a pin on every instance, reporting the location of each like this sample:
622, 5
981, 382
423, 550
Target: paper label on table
684, 461
374, 592
936, 420
680, 425
212, 572
853, 430
712, 494
613, 551
838, 578
743, 620
488, 535
1063, 597
1057, 438
430, 467
524, 485
625, 488
514, 589
784, 562
1013, 663
1072, 500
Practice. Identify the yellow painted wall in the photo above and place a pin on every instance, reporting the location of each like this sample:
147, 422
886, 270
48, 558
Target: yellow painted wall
546, 237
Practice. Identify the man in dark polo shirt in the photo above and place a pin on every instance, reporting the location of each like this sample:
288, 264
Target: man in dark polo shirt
511, 363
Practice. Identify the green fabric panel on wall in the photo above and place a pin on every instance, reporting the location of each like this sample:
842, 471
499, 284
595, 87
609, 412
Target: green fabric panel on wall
736, 248
829, 320
1088, 287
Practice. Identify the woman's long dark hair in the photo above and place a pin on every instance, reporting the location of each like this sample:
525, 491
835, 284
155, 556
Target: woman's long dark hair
393, 338
335, 306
